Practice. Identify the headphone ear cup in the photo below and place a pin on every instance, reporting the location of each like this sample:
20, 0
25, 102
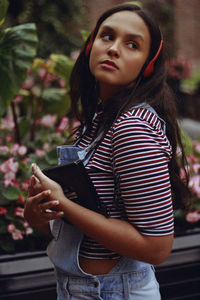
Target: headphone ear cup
149, 69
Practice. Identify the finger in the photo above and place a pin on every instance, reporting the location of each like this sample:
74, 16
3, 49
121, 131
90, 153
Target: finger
49, 205
31, 186
40, 196
51, 215
38, 173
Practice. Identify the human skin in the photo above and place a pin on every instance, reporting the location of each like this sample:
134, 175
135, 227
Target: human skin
118, 53
123, 39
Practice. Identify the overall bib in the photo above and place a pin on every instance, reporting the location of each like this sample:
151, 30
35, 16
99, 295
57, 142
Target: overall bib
129, 279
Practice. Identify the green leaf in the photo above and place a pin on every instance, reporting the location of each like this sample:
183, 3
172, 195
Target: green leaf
52, 157
179, 214
85, 34
187, 142
63, 66
3, 10
53, 94
18, 47
3, 201
3, 229
61, 107
24, 127
11, 193
8, 245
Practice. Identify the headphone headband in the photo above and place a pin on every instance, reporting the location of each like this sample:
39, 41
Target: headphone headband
89, 45
150, 67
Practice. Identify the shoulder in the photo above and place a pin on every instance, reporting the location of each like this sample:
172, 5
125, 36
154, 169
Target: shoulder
142, 127
139, 117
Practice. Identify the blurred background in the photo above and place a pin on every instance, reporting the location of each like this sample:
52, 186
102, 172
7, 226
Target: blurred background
39, 43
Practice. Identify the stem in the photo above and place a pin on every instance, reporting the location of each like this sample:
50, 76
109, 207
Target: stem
35, 113
17, 135
37, 110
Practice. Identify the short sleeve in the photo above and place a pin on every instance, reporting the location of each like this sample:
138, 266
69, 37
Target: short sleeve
141, 154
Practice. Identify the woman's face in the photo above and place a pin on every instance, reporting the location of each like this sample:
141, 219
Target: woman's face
119, 51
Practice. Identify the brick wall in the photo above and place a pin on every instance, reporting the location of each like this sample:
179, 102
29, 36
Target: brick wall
96, 7
187, 28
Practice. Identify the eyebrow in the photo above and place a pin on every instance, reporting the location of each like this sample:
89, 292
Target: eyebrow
128, 35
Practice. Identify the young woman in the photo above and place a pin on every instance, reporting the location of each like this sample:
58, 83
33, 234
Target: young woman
120, 80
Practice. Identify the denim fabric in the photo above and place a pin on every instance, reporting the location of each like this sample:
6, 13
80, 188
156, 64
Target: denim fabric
128, 280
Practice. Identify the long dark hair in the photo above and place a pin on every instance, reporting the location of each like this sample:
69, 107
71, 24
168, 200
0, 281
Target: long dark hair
153, 90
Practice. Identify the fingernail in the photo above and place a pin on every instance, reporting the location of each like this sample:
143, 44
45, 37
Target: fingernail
48, 192
33, 166
56, 202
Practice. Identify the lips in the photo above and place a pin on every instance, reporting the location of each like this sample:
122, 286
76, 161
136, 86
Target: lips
108, 64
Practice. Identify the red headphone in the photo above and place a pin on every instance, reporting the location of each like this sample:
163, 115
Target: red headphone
149, 68
89, 45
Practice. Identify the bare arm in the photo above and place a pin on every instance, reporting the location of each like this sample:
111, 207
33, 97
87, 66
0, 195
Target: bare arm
117, 235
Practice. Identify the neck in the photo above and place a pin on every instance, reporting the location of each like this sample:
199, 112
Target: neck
107, 92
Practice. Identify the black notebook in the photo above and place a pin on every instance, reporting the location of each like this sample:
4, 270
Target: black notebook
76, 184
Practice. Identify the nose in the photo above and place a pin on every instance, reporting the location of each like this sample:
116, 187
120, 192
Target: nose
113, 50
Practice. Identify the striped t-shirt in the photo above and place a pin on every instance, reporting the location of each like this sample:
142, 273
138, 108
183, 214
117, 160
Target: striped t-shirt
141, 152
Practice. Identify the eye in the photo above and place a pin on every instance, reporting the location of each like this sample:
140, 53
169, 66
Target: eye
132, 45
107, 36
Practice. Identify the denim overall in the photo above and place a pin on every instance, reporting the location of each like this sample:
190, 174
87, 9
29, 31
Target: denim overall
129, 279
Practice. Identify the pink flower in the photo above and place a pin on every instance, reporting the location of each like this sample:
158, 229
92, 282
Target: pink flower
182, 172
25, 186
4, 150
11, 228
196, 145
16, 233
64, 124
179, 68
49, 79
42, 73
14, 149
21, 199
3, 210
193, 217
9, 138
28, 83
28, 231
9, 166
40, 153
62, 83
7, 124
191, 158
8, 181
19, 212
194, 184
196, 168
48, 120
17, 99
22, 150
46, 147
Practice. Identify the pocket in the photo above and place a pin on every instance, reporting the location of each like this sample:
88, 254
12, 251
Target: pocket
55, 226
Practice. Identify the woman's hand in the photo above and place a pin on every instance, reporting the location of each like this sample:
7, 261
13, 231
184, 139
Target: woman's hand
40, 206
45, 183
